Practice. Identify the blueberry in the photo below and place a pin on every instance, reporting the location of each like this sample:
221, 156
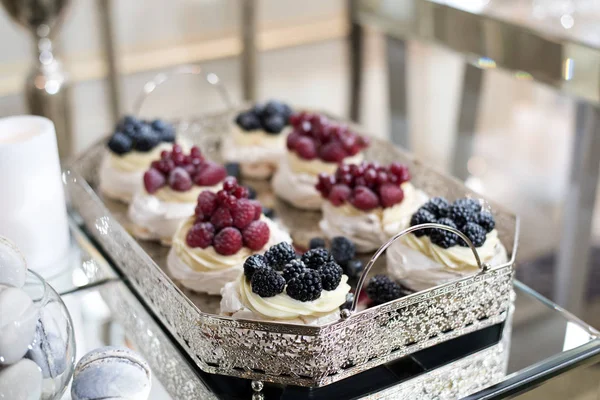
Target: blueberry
248, 121
233, 169
258, 109
274, 124
167, 135
273, 107
159, 125
120, 143
251, 192
130, 130
353, 268
268, 212
147, 140
287, 112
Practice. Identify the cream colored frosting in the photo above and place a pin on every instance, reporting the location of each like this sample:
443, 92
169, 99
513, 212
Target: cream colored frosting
421, 264
137, 160
116, 184
239, 301
316, 166
370, 229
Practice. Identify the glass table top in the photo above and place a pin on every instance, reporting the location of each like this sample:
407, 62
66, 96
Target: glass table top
538, 341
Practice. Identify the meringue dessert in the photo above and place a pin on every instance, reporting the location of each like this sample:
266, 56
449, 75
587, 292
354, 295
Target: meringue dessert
257, 141
431, 257
281, 288
316, 145
130, 150
210, 247
170, 189
368, 203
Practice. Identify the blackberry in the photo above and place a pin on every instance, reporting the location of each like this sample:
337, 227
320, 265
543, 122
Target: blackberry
422, 216
316, 243
353, 268
267, 283
120, 143
306, 287
293, 269
331, 275
475, 233
233, 169
342, 249
279, 255
253, 264
486, 221
438, 206
314, 258
469, 203
443, 238
382, 289
461, 214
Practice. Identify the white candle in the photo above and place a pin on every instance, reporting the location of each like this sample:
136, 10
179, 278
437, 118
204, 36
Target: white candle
32, 202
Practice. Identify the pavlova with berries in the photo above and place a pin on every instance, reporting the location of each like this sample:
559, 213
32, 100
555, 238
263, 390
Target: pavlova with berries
279, 286
315, 145
368, 203
431, 257
209, 248
170, 189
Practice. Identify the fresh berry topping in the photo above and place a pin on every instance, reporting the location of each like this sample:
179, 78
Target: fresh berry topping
258, 209
486, 221
154, 180
316, 243
293, 269
242, 192
390, 194
441, 237
305, 287
248, 121
147, 139
332, 152
268, 212
475, 233
422, 216
325, 184
353, 268
342, 250
271, 117
267, 283
274, 124
256, 235
364, 198
316, 258
382, 289
461, 213
179, 180
469, 203
253, 263
120, 143
306, 148
233, 169
279, 255
210, 174
200, 235
400, 171
292, 140
228, 241
273, 107
331, 275
229, 184
438, 206
339, 194
207, 202
221, 218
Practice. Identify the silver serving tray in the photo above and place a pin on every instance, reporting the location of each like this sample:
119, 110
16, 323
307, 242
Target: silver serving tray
286, 353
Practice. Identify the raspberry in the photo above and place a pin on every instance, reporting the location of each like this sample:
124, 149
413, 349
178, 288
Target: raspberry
207, 202
200, 235
315, 258
242, 213
400, 171
153, 180
293, 269
342, 249
325, 183
332, 152
267, 283
196, 153
257, 209
279, 255
305, 287
486, 221
254, 263
475, 233
339, 194
241, 192
331, 275
221, 218
179, 180
210, 174
382, 289
441, 237
364, 199
438, 206
295, 119
292, 140
316, 243
390, 194
229, 184
422, 216
256, 235
306, 148
228, 241
461, 213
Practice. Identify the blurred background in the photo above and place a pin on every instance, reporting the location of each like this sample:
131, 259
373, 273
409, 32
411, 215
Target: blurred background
502, 93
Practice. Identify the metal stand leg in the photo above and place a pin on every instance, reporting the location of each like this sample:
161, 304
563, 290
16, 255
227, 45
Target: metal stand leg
398, 90
110, 53
573, 255
355, 49
249, 50
468, 111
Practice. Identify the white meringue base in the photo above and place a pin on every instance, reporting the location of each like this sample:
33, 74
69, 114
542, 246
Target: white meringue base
259, 157
419, 272
117, 184
296, 189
